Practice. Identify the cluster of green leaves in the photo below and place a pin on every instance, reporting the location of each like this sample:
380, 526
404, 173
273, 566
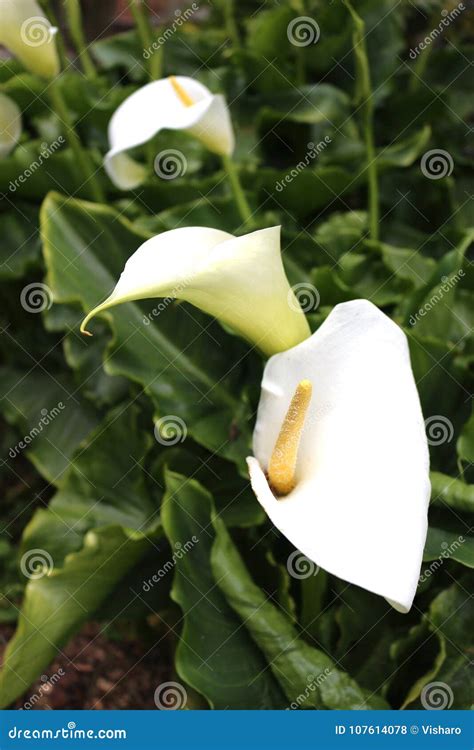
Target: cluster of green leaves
109, 504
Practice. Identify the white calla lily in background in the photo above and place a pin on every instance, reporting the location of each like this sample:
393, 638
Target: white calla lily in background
27, 33
176, 103
239, 280
10, 125
361, 491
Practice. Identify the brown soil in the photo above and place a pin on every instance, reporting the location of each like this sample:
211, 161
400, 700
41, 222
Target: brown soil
94, 672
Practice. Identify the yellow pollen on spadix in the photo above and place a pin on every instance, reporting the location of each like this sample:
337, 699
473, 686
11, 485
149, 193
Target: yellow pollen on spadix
281, 469
180, 92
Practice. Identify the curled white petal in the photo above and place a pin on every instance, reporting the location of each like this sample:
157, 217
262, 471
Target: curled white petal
239, 280
157, 106
359, 509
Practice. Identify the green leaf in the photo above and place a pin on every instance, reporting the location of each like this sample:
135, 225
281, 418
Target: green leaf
309, 677
215, 654
465, 444
452, 492
171, 350
95, 529
450, 618
20, 247
57, 604
51, 416
28, 175
315, 187
122, 52
443, 544
105, 485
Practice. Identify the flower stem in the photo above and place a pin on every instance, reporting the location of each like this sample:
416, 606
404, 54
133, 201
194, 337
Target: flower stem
81, 156
47, 7
299, 6
238, 191
74, 23
228, 10
145, 34
365, 99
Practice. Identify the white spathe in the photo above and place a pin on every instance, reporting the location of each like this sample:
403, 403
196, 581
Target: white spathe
157, 106
359, 509
239, 280
10, 125
28, 34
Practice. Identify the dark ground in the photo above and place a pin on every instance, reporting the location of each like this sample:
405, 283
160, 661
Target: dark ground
95, 672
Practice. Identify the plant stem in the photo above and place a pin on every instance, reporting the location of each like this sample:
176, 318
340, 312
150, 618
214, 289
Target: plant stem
74, 23
228, 11
300, 51
365, 98
50, 13
238, 191
146, 34
82, 157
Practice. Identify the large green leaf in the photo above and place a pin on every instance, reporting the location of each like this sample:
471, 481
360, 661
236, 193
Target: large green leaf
104, 485
309, 678
215, 655
56, 604
95, 529
450, 619
51, 416
190, 369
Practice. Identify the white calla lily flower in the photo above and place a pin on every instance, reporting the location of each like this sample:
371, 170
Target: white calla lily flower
10, 125
28, 34
239, 280
351, 460
176, 103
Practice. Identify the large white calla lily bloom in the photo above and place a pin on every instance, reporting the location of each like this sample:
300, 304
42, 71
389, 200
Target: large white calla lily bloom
27, 33
357, 505
177, 103
239, 280
10, 125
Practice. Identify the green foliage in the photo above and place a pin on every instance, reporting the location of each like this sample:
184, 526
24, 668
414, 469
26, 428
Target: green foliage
106, 503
